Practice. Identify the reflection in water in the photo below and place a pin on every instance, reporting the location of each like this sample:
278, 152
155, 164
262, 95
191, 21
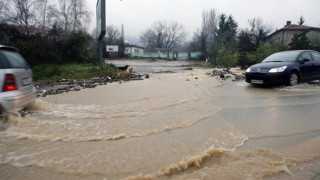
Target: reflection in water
184, 125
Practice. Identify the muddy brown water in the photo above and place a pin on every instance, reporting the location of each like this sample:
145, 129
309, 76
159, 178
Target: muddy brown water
185, 125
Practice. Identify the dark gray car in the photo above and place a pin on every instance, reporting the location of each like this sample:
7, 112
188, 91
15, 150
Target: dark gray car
287, 67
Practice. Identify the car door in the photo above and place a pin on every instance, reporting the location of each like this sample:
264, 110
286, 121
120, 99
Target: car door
306, 67
316, 62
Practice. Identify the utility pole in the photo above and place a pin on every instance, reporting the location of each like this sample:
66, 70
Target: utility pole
122, 44
101, 27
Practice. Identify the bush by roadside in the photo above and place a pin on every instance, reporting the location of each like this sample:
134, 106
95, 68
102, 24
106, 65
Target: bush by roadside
54, 72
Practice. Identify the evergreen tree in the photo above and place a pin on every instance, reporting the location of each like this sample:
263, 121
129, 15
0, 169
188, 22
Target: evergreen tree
244, 43
221, 28
245, 46
223, 51
227, 30
300, 42
232, 27
305, 42
294, 44
301, 21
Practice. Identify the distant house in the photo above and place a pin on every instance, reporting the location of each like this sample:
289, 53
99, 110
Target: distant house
134, 51
285, 34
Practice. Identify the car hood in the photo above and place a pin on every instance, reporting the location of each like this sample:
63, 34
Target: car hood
269, 65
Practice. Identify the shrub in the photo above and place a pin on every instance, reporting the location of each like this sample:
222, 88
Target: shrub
227, 57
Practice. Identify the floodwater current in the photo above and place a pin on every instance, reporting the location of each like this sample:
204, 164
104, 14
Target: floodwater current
185, 125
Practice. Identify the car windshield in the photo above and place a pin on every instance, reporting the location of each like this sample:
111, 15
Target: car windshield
15, 59
288, 56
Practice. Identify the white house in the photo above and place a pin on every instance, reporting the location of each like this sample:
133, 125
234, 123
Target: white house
285, 34
134, 51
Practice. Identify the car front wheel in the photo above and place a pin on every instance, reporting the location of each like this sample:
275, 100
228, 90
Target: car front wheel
293, 79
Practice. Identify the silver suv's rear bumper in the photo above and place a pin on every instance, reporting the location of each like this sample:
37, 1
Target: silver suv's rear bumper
16, 101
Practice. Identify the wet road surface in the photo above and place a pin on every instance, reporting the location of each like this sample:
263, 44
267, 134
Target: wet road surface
184, 125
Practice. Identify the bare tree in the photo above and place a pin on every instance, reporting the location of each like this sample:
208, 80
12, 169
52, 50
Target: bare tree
194, 44
204, 36
259, 29
25, 10
22, 12
43, 6
80, 13
71, 14
62, 14
154, 36
163, 34
112, 35
209, 24
2, 11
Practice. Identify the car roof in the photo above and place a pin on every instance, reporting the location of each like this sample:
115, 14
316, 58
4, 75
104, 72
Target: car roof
8, 48
301, 50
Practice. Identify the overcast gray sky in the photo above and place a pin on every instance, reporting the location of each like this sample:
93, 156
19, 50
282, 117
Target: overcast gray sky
137, 15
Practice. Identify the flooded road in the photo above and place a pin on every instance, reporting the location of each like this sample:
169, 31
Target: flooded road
184, 125
157, 66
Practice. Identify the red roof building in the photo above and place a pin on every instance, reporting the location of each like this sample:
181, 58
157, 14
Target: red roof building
285, 34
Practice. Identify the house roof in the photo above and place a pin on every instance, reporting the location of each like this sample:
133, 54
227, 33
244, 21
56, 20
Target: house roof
129, 45
294, 27
299, 27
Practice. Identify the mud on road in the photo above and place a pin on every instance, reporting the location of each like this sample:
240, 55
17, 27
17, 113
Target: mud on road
185, 125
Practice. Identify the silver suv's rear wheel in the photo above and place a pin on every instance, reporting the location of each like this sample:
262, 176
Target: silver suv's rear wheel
3, 120
293, 79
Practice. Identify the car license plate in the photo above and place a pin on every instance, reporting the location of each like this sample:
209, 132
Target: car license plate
254, 81
26, 81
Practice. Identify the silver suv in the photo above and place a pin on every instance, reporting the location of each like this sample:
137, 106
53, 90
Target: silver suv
16, 88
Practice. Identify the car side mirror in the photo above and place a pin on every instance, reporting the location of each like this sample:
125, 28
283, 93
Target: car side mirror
305, 60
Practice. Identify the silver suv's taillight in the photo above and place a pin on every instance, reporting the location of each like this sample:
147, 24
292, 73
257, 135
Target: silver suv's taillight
9, 83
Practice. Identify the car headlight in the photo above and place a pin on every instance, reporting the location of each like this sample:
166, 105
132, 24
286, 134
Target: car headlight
248, 70
276, 70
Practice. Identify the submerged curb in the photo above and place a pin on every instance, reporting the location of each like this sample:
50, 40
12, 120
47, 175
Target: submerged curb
227, 74
66, 85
